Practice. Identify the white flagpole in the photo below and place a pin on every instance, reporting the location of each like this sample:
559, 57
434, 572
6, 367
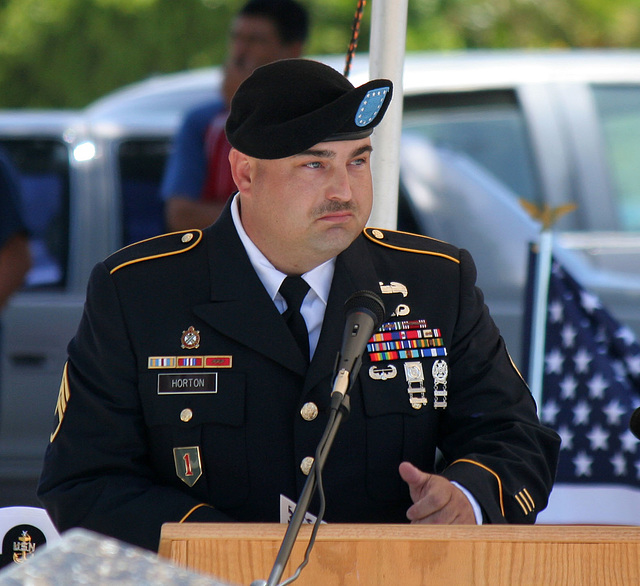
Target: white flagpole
386, 59
539, 314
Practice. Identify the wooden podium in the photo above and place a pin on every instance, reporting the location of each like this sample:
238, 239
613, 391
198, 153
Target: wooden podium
420, 555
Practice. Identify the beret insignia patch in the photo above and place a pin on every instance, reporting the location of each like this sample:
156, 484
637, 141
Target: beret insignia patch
370, 106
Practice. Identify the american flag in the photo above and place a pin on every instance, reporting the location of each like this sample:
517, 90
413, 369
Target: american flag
591, 386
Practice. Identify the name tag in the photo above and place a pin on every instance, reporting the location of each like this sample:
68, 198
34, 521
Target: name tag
188, 384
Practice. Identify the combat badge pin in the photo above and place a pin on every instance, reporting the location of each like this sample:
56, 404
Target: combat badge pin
440, 372
383, 372
415, 380
188, 464
190, 339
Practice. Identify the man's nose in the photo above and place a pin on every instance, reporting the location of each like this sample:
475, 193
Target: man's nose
340, 187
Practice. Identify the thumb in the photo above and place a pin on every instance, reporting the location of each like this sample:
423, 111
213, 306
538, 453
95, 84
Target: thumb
414, 477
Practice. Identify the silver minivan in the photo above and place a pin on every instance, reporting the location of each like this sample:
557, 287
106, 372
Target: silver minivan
481, 130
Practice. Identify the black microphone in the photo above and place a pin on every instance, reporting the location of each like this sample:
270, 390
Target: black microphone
364, 313
634, 423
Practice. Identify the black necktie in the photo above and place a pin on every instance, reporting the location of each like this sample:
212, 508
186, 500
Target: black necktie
294, 290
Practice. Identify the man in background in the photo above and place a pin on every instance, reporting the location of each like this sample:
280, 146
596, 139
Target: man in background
15, 260
197, 181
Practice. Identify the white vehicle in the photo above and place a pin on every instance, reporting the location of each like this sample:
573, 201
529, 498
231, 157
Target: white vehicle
481, 130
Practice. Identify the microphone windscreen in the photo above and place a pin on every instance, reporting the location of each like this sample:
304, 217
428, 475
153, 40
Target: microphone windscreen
367, 301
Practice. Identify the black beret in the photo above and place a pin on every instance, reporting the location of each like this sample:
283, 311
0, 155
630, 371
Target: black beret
288, 106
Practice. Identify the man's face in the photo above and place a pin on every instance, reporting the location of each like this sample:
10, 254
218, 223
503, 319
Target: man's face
254, 41
303, 210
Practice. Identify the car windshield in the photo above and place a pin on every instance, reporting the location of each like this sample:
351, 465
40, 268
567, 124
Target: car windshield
486, 126
618, 110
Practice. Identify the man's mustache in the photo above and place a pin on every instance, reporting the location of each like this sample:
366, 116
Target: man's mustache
332, 207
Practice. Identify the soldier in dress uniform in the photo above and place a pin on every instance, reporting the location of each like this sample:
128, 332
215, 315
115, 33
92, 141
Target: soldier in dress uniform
186, 397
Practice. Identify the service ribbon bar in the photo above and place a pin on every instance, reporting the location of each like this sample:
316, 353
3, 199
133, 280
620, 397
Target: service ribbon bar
407, 354
190, 362
404, 344
405, 335
162, 361
218, 361
415, 324
167, 362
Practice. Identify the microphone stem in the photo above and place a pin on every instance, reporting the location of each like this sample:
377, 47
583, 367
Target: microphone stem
335, 419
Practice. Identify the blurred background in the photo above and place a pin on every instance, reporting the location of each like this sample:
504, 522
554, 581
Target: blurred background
67, 53
504, 101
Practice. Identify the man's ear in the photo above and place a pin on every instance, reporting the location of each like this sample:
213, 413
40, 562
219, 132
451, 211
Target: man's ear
240, 170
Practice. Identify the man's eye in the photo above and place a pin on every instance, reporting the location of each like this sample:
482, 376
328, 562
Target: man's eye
314, 165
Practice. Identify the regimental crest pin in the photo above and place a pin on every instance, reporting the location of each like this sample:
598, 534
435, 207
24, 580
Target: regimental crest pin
190, 339
188, 464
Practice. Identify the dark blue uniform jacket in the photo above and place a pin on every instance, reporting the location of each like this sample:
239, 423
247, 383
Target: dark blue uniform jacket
184, 390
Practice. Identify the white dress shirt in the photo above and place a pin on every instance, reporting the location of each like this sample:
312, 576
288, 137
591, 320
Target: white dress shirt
319, 280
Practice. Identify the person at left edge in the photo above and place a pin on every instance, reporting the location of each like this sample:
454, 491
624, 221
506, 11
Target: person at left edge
186, 397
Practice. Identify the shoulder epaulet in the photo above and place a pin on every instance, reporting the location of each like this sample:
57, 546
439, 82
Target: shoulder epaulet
407, 242
156, 247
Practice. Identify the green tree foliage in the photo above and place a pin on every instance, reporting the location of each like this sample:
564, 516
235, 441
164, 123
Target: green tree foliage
66, 53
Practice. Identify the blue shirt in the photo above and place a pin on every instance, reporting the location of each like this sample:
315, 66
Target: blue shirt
187, 164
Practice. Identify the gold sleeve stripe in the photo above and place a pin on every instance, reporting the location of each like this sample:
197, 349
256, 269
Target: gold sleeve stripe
525, 501
63, 399
529, 498
192, 510
143, 258
492, 472
428, 252
522, 504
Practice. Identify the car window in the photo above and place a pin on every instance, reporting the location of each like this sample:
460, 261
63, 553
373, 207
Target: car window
487, 126
141, 164
618, 110
43, 167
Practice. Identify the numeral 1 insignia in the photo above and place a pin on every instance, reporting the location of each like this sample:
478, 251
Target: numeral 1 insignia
188, 464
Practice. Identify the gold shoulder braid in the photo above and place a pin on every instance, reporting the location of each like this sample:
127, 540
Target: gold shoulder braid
156, 247
406, 242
